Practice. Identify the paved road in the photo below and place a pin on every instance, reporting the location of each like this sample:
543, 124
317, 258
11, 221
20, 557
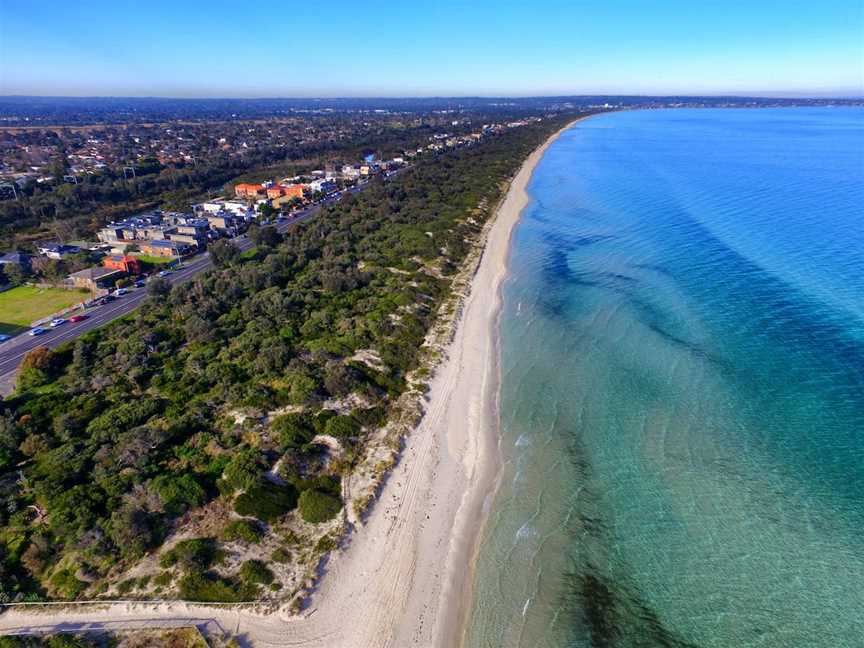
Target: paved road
13, 351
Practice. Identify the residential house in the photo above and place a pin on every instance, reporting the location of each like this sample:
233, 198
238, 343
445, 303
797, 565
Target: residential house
350, 172
166, 248
275, 191
323, 185
95, 278
57, 250
247, 190
236, 207
225, 223
124, 263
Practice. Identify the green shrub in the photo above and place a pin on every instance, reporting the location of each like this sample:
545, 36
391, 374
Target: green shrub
372, 417
197, 586
317, 506
242, 530
178, 493
280, 555
293, 431
342, 427
66, 584
243, 471
126, 586
189, 554
164, 579
69, 641
267, 501
256, 572
325, 543
331, 484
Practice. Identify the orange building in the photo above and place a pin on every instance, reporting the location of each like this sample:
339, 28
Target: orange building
285, 193
246, 190
293, 191
275, 191
127, 264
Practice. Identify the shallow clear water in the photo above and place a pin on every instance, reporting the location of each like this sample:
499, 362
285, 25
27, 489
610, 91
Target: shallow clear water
683, 388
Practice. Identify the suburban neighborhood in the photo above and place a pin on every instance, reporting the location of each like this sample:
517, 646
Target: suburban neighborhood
126, 253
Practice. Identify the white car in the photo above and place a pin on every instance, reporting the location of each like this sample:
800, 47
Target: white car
36, 331
57, 322
120, 292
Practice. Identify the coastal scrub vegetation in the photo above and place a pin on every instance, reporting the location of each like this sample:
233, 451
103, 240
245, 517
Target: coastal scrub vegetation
233, 387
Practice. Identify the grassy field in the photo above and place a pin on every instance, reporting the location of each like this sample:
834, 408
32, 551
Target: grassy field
154, 260
24, 304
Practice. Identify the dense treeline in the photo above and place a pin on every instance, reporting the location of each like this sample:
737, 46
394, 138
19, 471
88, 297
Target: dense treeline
109, 439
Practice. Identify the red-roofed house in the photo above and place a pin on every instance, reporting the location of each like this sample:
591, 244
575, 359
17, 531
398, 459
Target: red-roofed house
128, 264
246, 190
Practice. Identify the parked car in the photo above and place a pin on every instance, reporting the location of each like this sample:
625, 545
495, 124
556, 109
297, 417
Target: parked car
78, 318
3, 337
36, 331
57, 322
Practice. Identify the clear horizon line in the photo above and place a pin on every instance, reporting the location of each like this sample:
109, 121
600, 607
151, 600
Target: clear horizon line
712, 95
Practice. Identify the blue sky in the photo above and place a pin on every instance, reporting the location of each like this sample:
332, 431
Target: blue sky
266, 48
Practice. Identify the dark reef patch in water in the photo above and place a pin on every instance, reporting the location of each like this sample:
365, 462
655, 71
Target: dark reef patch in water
614, 617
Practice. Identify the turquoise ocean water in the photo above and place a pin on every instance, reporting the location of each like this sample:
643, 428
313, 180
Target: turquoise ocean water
683, 388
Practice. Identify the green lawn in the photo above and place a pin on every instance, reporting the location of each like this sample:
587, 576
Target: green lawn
154, 260
24, 304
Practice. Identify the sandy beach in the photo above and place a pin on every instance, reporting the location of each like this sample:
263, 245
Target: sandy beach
405, 578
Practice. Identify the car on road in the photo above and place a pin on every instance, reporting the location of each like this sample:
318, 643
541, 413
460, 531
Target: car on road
164, 273
78, 318
3, 337
120, 292
140, 283
36, 331
59, 321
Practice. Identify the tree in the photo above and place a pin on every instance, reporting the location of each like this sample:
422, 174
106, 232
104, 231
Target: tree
268, 236
266, 210
159, 287
37, 367
14, 274
223, 253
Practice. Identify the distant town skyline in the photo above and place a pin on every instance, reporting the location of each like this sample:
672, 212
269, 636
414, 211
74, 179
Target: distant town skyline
362, 49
